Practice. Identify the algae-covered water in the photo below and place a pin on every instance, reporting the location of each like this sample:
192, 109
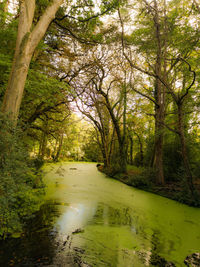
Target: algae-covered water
89, 219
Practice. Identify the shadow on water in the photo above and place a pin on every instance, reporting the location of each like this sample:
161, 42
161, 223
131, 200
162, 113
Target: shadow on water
90, 220
44, 243
37, 245
114, 238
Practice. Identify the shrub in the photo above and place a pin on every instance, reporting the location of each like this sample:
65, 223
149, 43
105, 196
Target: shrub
186, 196
20, 186
144, 179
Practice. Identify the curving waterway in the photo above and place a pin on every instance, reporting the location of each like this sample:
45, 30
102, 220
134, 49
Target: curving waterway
89, 219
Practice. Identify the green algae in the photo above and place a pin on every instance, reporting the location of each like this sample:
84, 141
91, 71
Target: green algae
122, 226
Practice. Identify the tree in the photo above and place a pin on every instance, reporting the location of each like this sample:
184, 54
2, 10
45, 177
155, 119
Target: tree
105, 88
30, 34
28, 37
152, 23
187, 78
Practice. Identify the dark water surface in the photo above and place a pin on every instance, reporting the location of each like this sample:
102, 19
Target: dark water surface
91, 220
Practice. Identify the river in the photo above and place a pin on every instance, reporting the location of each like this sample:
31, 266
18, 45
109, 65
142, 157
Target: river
89, 219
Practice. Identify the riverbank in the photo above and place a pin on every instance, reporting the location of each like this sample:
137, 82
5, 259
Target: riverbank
90, 220
137, 177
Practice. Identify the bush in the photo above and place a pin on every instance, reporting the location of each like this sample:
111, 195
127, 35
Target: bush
144, 179
38, 163
186, 196
20, 187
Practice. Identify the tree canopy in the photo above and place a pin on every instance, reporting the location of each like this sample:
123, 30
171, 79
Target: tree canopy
115, 82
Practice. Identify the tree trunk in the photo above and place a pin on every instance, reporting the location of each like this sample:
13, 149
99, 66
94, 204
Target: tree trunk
141, 153
43, 141
111, 145
13, 96
124, 147
184, 149
105, 160
43, 144
120, 138
59, 147
158, 152
159, 108
27, 41
131, 150
141, 148
104, 150
122, 155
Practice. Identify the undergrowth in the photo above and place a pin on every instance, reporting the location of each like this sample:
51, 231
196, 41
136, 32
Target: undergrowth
21, 185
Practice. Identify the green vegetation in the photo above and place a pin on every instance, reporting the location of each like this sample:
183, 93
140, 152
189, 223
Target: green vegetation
21, 187
116, 83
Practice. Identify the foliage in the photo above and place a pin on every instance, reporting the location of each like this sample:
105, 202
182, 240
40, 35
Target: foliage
173, 165
80, 63
113, 170
185, 195
91, 150
145, 179
7, 42
20, 185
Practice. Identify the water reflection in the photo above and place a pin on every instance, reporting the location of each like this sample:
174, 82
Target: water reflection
110, 238
37, 245
75, 217
91, 220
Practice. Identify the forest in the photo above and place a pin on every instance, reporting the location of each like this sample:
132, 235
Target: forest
113, 82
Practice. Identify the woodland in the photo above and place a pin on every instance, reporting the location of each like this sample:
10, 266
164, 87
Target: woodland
114, 82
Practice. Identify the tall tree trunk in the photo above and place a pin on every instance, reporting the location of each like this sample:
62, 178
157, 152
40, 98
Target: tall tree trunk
159, 108
131, 150
43, 141
104, 149
105, 159
27, 41
43, 145
158, 152
122, 150
21, 61
59, 147
111, 145
101, 145
184, 149
122, 156
13, 96
141, 151
124, 124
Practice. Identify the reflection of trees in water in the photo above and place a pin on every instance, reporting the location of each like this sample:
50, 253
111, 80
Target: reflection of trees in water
158, 247
41, 245
37, 245
146, 252
113, 216
105, 241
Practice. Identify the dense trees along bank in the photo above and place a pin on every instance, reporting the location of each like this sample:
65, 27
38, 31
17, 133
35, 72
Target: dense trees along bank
129, 68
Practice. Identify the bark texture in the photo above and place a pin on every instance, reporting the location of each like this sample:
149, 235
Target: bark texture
160, 100
27, 41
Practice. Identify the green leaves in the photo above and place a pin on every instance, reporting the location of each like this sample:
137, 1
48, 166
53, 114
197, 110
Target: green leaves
20, 191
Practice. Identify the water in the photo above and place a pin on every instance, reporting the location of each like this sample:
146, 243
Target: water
89, 219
